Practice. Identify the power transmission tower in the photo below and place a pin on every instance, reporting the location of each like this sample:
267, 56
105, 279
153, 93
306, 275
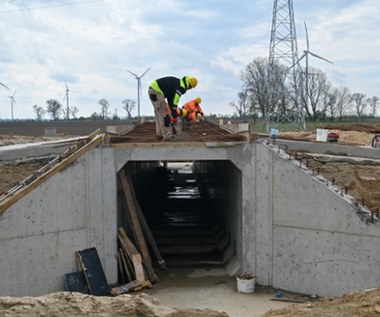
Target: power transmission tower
283, 50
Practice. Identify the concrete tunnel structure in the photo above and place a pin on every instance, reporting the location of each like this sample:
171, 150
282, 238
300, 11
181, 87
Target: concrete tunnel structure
289, 227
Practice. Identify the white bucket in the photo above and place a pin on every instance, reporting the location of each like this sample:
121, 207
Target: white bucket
246, 285
273, 133
322, 135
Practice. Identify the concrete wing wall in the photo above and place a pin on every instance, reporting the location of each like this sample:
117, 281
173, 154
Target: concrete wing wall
310, 239
73, 210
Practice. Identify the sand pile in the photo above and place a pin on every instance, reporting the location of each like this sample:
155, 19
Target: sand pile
64, 304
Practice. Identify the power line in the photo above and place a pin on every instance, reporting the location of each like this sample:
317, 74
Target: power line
51, 6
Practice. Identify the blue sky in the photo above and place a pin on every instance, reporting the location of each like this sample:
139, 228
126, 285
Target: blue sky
90, 45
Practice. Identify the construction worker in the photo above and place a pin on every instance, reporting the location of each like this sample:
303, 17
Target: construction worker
191, 111
165, 93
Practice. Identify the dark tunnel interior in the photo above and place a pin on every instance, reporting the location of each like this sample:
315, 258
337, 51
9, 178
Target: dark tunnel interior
193, 210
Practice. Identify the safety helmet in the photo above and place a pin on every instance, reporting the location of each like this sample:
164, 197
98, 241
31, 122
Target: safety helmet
198, 100
193, 82
184, 112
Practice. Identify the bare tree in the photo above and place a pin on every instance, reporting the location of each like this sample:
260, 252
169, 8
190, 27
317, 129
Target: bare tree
73, 111
128, 106
39, 111
331, 101
104, 112
318, 89
243, 104
54, 108
359, 102
372, 102
265, 87
343, 101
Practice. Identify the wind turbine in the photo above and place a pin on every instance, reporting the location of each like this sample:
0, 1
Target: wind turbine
67, 101
138, 88
306, 56
4, 87
13, 102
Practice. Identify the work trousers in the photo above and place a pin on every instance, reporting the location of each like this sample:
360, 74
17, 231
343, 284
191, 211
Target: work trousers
160, 111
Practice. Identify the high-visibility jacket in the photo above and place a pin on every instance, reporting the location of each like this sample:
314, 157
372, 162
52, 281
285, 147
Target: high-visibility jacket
193, 107
172, 88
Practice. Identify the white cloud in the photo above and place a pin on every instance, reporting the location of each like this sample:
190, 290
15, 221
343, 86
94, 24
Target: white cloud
91, 45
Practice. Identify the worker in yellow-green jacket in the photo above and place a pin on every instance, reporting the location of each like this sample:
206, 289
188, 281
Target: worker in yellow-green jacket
165, 93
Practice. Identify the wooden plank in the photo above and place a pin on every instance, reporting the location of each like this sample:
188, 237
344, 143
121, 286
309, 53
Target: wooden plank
130, 287
78, 262
146, 228
128, 270
137, 227
135, 256
125, 288
130, 248
93, 272
120, 265
9, 201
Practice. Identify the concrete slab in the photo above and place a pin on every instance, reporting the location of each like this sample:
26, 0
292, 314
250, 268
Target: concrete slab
213, 288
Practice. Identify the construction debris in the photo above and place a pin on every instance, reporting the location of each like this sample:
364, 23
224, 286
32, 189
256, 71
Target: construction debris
90, 277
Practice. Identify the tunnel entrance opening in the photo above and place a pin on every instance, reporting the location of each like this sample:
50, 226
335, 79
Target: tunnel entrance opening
193, 209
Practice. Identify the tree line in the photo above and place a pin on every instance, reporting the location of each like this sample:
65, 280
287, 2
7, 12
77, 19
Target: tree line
57, 111
269, 94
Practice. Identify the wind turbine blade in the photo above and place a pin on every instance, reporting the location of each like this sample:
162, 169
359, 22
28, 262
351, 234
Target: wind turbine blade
307, 36
317, 56
132, 73
3, 85
145, 72
298, 61
14, 94
301, 58
67, 88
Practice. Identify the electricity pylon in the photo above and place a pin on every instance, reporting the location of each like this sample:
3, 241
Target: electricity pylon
283, 50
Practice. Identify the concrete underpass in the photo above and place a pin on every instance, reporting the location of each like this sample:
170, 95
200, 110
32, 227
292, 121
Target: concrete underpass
241, 205
192, 219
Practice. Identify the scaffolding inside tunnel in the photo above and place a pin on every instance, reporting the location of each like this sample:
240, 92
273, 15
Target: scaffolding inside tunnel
186, 212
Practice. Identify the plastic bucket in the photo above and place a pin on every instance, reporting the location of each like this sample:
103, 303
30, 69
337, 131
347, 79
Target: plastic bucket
273, 133
246, 285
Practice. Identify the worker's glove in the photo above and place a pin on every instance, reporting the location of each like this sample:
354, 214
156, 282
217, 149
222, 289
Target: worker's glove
174, 120
167, 121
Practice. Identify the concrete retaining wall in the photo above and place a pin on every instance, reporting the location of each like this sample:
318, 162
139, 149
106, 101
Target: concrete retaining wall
73, 210
310, 239
291, 230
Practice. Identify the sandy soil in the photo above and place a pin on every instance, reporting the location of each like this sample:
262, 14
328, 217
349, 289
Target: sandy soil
76, 304
358, 304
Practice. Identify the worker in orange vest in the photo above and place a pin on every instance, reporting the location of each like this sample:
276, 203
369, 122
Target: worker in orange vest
190, 111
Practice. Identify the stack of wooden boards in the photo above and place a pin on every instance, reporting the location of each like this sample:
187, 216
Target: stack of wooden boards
134, 262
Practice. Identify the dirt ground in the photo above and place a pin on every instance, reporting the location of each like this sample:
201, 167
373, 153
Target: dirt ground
358, 304
363, 304
76, 304
360, 177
